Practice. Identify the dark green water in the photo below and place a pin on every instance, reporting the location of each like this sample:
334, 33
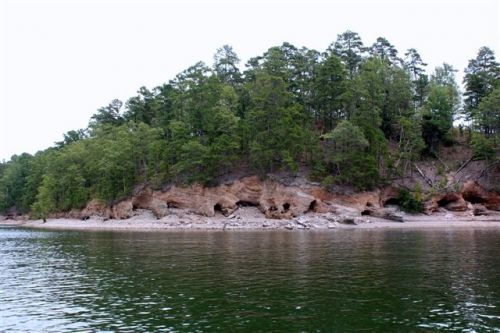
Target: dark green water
351, 280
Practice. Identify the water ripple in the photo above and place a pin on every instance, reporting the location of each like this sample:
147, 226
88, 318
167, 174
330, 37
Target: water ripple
382, 280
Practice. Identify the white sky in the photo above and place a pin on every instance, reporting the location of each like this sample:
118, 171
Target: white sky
61, 60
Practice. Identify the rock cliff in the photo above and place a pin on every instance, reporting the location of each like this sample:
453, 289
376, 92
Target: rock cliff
278, 201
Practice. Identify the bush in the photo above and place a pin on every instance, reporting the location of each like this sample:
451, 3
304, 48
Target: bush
328, 182
410, 203
482, 147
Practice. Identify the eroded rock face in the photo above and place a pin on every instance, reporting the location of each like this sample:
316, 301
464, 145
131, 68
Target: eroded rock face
272, 198
474, 193
278, 201
122, 210
148, 199
94, 208
450, 201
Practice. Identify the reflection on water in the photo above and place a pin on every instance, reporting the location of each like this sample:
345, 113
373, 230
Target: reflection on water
383, 280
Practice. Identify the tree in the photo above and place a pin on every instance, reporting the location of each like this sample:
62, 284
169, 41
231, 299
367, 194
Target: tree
416, 68
441, 106
13, 183
386, 51
349, 48
72, 136
482, 75
384, 92
348, 151
329, 86
274, 125
226, 65
369, 99
410, 143
64, 184
108, 115
487, 117
145, 107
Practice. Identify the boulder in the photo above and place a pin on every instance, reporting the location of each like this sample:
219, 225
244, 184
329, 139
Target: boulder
384, 213
479, 210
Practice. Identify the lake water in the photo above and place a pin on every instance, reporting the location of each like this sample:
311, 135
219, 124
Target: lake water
345, 280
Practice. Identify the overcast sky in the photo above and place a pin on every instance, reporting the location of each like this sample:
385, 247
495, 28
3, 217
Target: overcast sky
61, 60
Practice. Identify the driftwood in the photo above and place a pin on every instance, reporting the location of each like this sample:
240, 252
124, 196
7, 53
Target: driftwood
384, 214
442, 162
485, 170
427, 180
464, 165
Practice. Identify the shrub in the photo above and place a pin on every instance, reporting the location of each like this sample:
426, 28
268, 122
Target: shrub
482, 147
410, 203
328, 182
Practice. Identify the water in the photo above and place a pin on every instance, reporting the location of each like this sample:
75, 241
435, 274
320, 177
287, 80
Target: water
346, 280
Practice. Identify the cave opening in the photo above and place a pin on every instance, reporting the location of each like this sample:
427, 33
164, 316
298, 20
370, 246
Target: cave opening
444, 201
391, 201
312, 206
217, 208
171, 204
366, 212
243, 203
474, 199
286, 207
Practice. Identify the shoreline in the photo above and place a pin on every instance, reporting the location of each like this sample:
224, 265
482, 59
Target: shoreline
251, 220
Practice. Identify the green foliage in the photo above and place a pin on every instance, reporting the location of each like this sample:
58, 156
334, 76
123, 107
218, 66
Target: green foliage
13, 183
487, 118
348, 117
348, 151
482, 147
440, 108
329, 87
328, 182
410, 203
274, 123
482, 76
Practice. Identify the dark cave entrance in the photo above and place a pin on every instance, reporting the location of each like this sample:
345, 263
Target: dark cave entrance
312, 207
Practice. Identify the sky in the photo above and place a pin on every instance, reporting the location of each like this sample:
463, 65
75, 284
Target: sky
60, 60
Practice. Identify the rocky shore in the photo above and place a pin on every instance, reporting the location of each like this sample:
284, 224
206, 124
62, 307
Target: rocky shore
251, 203
250, 218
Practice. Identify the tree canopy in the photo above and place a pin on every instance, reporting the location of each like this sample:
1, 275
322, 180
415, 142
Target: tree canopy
350, 114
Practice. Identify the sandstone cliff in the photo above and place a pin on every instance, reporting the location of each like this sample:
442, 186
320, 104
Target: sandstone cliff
278, 201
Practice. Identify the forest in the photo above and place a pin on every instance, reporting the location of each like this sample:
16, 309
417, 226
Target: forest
352, 115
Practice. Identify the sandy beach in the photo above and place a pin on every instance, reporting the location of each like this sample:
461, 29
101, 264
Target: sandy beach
251, 219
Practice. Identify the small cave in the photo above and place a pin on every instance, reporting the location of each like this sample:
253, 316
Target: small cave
446, 200
134, 207
217, 208
365, 212
312, 207
243, 203
474, 199
286, 207
390, 201
172, 204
